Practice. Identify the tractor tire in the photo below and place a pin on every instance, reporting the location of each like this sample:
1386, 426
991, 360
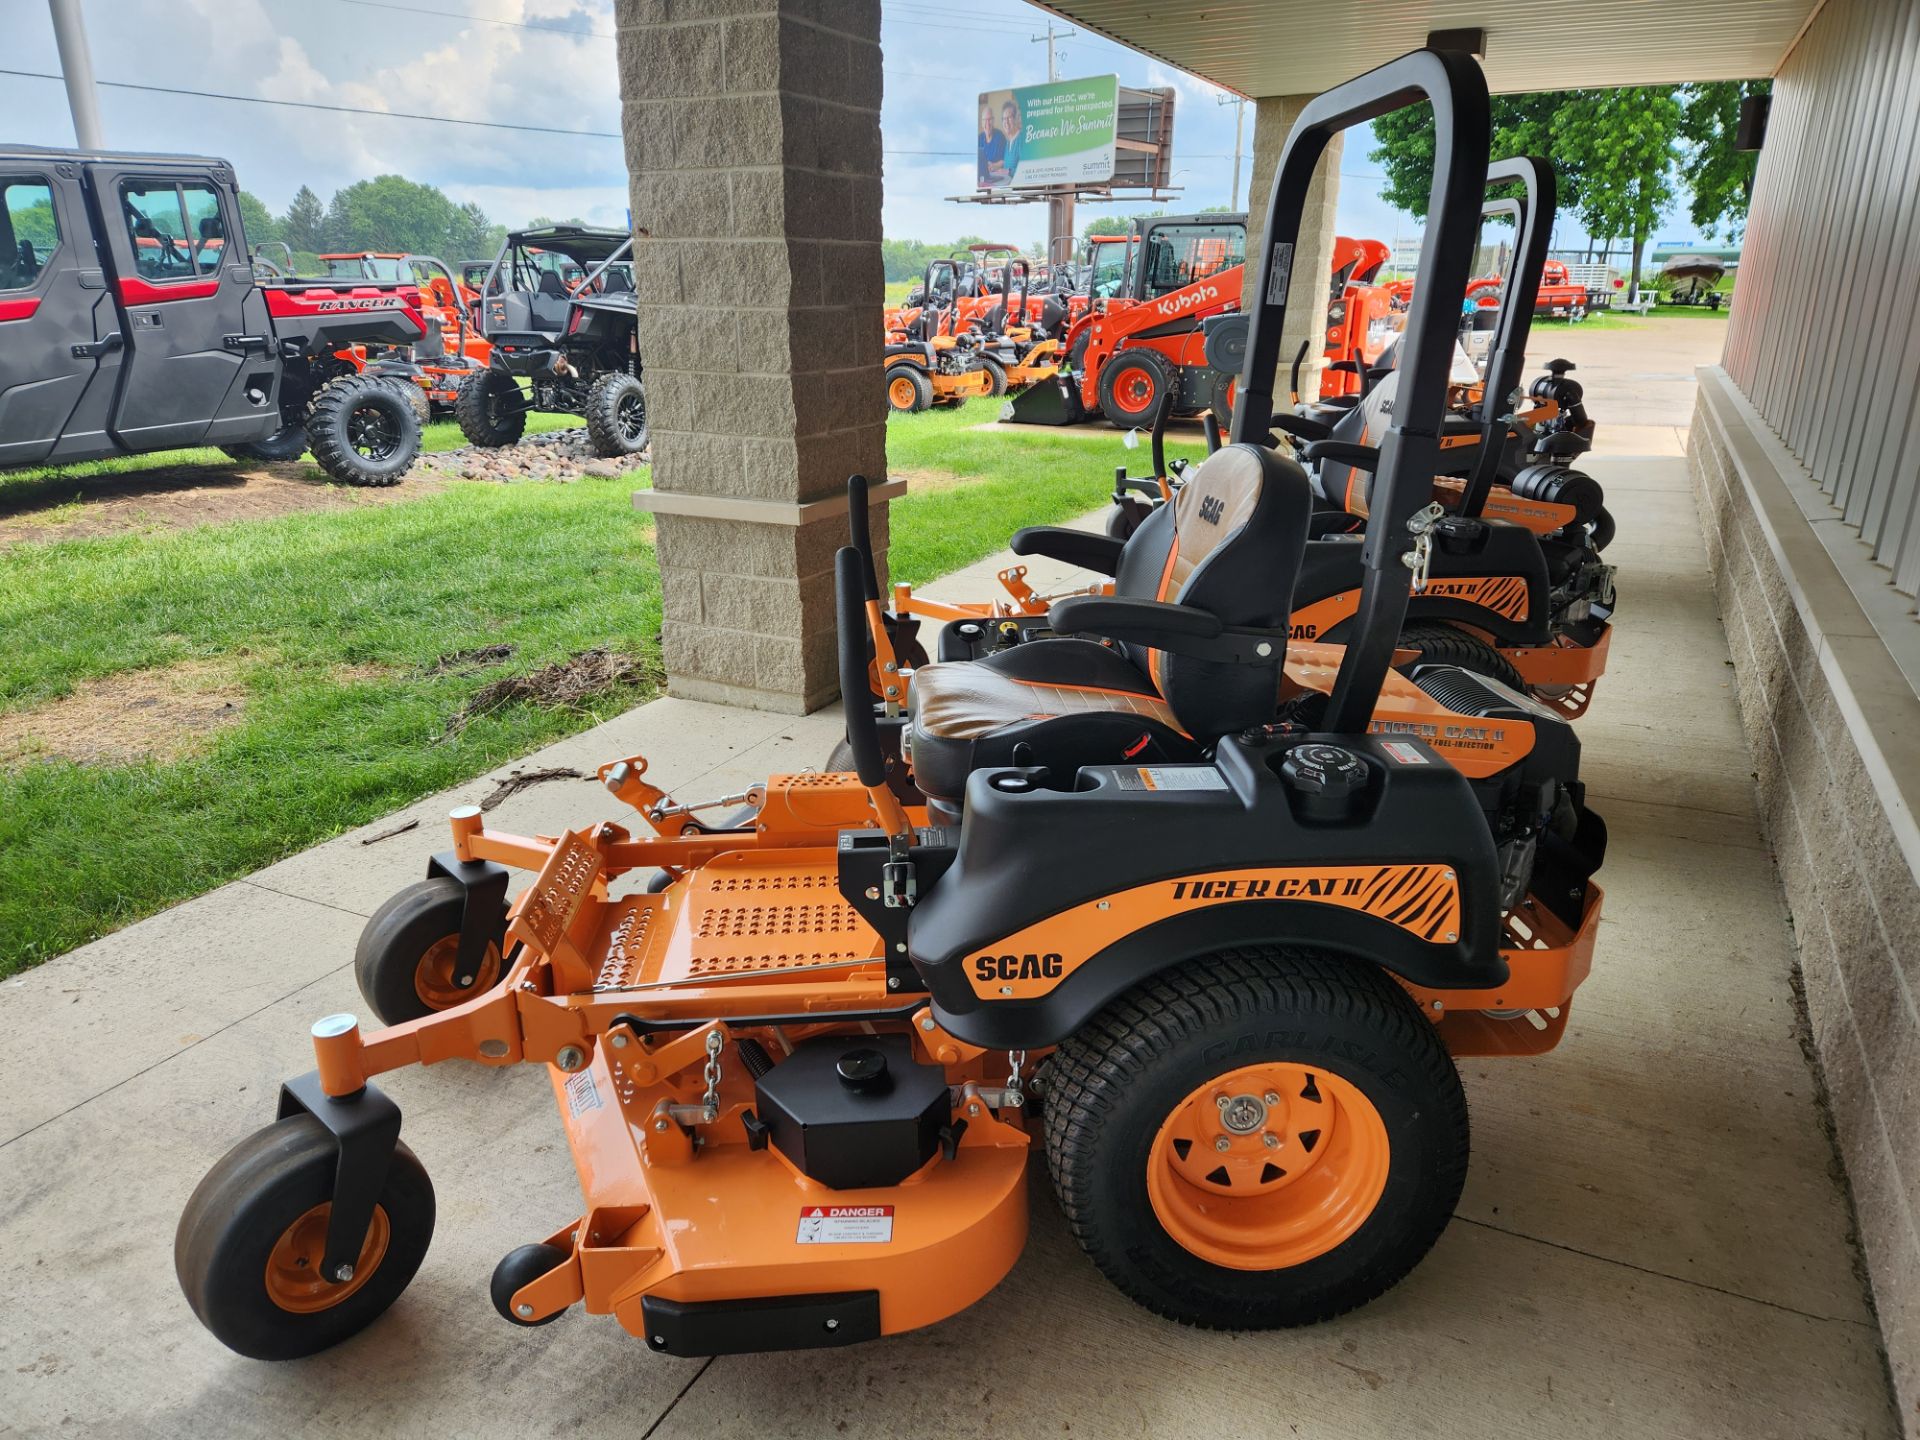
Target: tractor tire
1221, 392
616, 412
1442, 644
996, 377
289, 442
414, 396
491, 410
909, 391
1267, 1137
1130, 387
248, 1248
362, 432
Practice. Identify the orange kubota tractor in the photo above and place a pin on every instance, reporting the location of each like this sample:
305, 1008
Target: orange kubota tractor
1359, 315
1149, 329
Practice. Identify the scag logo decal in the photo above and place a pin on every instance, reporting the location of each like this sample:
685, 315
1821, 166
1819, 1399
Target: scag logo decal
1018, 967
1212, 507
1285, 887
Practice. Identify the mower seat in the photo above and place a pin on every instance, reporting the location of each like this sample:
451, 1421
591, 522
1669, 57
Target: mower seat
1230, 545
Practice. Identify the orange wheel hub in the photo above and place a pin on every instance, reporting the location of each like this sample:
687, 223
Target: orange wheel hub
1134, 390
1268, 1166
433, 977
901, 394
294, 1281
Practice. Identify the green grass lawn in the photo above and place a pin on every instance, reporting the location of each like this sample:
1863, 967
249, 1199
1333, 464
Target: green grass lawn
44, 485
897, 290
327, 625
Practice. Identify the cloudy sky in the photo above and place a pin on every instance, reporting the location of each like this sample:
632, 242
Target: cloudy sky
551, 63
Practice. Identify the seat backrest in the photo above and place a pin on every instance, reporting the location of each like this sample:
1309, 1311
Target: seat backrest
1230, 543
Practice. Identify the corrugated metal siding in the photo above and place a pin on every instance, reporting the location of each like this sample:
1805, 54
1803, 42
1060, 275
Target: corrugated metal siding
1825, 333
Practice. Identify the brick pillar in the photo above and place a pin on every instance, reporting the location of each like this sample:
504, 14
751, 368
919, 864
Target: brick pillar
753, 144
1313, 259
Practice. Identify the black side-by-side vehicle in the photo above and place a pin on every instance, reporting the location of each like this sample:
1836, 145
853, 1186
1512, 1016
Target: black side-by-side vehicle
557, 306
132, 320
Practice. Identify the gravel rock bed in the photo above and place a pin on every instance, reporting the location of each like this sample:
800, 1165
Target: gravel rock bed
556, 455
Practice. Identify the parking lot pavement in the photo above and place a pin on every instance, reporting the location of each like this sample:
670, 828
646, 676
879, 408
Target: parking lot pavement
1651, 1242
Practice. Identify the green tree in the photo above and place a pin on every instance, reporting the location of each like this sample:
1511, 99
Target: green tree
301, 228
390, 212
1628, 141
257, 220
1614, 154
472, 235
1719, 176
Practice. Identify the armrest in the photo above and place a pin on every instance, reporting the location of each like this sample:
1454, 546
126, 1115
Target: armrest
1361, 457
1182, 629
1089, 551
1301, 428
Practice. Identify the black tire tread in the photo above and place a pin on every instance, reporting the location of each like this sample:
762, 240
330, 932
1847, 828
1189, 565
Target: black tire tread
602, 412
390, 945
1088, 1077
1443, 644
326, 425
477, 423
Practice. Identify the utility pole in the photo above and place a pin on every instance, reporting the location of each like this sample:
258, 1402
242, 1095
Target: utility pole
76, 64
1059, 203
1239, 103
1053, 67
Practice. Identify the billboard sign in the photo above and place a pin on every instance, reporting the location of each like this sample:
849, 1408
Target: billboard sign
1060, 133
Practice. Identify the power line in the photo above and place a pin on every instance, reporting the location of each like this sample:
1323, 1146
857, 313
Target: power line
482, 19
332, 109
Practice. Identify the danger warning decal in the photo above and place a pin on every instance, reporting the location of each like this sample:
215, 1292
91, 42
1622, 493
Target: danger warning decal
845, 1225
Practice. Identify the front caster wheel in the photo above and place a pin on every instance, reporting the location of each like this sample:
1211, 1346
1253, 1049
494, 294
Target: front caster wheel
1265, 1138
405, 962
251, 1240
523, 1267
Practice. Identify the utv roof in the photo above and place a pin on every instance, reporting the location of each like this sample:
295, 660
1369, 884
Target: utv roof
576, 242
151, 157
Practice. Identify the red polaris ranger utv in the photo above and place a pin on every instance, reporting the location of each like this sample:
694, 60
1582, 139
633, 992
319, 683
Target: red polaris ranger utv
132, 320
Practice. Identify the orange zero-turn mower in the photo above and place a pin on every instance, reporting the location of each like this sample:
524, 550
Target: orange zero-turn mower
1016, 349
794, 1073
933, 360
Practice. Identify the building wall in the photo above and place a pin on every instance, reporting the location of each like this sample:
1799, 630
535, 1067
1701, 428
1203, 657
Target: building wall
1825, 333
1805, 453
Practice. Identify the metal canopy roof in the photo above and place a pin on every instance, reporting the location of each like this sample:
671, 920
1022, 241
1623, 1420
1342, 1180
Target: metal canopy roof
1296, 47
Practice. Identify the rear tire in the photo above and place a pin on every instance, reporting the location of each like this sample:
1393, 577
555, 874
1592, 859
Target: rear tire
247, 1251
414, 396
909, 391
1441, 644
1353, 1085
362, 431
289, 442
616, 412
491, 410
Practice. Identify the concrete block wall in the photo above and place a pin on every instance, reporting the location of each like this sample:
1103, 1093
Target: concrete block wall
1835, 738
1273, 119
752, 132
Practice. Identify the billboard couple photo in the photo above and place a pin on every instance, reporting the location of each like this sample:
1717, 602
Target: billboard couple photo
1060, 133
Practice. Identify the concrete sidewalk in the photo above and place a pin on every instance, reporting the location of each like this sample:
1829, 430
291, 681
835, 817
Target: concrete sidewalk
1652, 1241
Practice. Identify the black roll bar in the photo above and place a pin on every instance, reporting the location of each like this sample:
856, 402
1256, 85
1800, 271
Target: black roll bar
1533, 214
1409, 450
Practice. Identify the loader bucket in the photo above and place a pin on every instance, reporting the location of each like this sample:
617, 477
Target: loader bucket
1046, 402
